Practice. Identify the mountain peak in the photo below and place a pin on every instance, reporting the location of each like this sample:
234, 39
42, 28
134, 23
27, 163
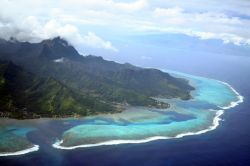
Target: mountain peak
58, 48
56, 41
60, 40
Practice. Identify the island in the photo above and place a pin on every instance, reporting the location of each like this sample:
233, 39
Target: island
51, 96
51, 79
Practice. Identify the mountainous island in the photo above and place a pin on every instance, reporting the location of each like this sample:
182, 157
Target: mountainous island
51, 79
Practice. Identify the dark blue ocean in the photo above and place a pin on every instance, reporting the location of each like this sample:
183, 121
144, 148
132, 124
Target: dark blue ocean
228, 145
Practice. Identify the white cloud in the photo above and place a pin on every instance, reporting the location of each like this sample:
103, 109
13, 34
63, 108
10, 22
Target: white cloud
225, 6
108, 5
146, 57
30, 29
225, 37
205, 25
226, 20
168, 12
133, 6
91, 39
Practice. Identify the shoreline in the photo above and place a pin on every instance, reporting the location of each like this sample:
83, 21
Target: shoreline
233, 103
21, 152
149, 139
214, 125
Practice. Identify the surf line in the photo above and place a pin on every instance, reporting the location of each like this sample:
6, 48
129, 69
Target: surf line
214, 125
21, 152
233, 103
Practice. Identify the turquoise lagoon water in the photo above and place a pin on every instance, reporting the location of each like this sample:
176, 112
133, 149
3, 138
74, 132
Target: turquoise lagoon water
138, 124
13, 138
134, 125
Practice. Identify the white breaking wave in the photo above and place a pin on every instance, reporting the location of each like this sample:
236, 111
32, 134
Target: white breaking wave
25, 151
214, 125
233, 103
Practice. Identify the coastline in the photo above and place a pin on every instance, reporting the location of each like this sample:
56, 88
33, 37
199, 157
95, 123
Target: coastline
233, 103
215, 124
21, 152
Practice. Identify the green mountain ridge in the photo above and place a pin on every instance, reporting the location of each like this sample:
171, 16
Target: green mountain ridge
94, 85
25, 96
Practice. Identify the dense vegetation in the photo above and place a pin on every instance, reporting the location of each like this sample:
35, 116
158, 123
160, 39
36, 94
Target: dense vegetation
54, 80
25, 96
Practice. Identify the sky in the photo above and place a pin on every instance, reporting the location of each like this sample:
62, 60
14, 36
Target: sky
138, 31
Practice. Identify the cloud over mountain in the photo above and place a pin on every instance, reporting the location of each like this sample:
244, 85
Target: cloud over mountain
80, 20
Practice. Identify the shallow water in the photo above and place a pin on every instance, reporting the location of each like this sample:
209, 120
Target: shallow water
135, 125
138, 125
